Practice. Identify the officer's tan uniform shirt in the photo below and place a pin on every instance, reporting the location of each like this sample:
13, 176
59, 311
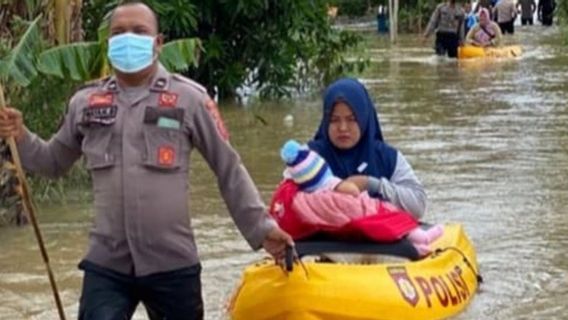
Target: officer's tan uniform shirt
505, 11
448, 19
137, 148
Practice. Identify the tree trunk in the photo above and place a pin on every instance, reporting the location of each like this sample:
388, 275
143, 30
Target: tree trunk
393, 18
67, 21
61, 21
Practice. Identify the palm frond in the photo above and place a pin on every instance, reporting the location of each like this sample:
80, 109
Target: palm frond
180, 54
20, 64
79, 61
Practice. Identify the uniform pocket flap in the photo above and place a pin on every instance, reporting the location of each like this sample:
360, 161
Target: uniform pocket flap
153, 114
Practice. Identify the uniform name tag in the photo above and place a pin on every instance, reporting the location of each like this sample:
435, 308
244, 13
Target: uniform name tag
102, 115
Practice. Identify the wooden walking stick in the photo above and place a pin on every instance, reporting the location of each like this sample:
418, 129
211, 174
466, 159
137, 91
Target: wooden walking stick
30, 210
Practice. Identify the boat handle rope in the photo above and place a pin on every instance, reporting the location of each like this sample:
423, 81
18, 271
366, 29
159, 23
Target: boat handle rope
465, 260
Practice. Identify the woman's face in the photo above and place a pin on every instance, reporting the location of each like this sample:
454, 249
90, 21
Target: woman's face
343, 131
483, 18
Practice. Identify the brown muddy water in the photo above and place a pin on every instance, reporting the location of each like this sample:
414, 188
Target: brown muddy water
489, 139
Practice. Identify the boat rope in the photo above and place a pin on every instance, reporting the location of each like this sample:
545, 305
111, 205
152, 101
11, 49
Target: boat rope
478, 276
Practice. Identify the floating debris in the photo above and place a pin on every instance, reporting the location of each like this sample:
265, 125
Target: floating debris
288, 120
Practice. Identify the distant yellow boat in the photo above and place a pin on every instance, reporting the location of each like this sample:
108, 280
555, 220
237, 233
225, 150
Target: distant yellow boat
468, 52
436, 287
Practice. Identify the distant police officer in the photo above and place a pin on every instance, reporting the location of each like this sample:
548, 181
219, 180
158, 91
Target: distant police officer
448, 23
136, 130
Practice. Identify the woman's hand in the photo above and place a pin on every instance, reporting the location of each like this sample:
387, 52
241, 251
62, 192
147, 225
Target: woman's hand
348, 187
359, 180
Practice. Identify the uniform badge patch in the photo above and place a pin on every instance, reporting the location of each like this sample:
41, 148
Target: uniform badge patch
214, 112
167, 99
101, 100
166, 155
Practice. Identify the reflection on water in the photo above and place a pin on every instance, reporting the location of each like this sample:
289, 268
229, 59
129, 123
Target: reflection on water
488, 138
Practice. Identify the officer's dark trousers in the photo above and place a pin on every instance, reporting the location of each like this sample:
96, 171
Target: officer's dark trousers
108, 295
447, 42
525, 21
507, 27
547, 19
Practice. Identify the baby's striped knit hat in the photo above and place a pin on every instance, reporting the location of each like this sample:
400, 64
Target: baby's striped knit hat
306, 168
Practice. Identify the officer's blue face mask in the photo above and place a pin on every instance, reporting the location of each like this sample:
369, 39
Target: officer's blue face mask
130, 53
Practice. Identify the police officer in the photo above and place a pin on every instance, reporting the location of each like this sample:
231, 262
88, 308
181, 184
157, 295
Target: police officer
136, 130
448, 23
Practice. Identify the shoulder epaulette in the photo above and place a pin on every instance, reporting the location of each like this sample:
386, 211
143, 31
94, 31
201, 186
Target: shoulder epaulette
93, 83
192, 83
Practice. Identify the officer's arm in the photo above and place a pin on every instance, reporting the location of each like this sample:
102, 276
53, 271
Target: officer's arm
237, 188
54, 157
434, 21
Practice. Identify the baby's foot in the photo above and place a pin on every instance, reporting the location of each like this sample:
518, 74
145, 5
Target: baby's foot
434, 233
423, 249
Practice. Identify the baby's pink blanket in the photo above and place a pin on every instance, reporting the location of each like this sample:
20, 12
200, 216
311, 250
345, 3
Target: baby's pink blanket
333, 209
344, 216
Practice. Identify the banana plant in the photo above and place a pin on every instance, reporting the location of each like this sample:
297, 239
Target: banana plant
83, 61
19, 64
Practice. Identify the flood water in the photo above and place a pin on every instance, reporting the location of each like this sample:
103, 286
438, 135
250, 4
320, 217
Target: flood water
489, 139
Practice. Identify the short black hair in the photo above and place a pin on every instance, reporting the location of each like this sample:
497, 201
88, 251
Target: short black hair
135, 2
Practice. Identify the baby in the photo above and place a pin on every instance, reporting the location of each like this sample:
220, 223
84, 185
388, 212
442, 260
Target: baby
332, 203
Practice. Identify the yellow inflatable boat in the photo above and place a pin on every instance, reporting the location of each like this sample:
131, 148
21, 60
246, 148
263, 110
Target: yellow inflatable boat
468, 52
436, 287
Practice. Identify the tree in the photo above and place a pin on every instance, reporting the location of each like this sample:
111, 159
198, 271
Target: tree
275, 46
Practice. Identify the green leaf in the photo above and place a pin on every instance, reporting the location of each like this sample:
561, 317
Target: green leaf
20, 64
181, 54
79, 61
103, 31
